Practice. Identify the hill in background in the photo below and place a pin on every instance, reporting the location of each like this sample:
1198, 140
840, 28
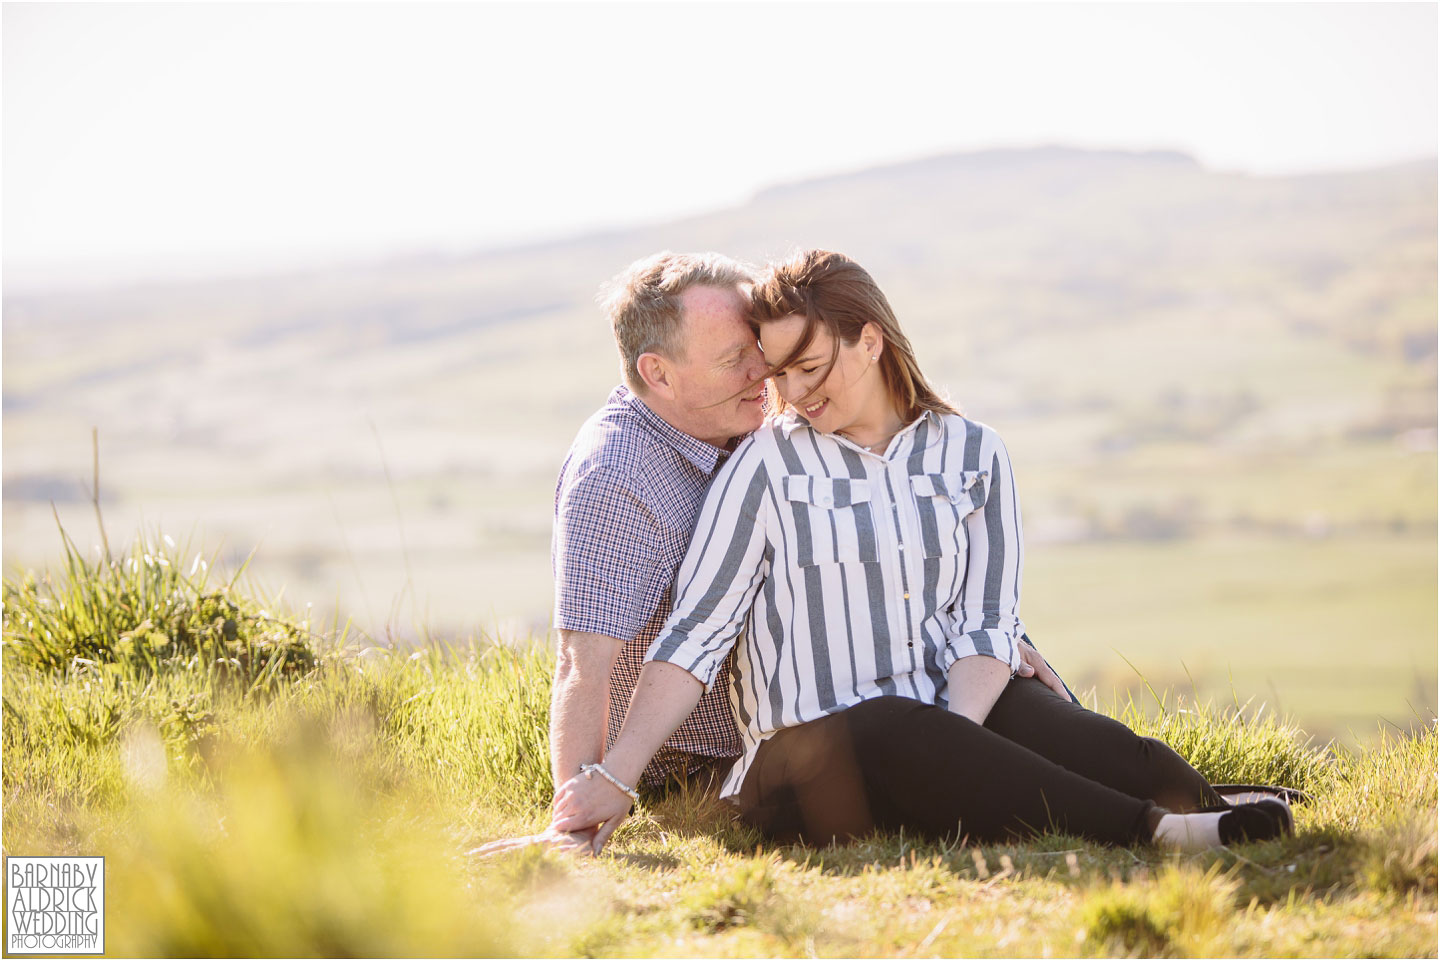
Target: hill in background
1219, 392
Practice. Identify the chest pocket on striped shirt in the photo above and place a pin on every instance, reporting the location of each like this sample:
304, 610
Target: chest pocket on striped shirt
833, 521
943, 501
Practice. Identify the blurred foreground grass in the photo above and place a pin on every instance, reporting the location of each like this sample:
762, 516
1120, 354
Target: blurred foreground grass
325, 810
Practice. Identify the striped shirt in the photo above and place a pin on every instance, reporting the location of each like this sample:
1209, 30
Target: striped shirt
847, 575
625, 505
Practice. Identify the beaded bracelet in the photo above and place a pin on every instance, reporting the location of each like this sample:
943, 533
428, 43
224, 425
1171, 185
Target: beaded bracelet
591, 769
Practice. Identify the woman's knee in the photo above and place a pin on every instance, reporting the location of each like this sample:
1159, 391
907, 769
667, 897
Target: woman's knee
1174, 783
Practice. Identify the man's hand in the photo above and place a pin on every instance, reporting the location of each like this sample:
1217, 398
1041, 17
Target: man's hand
569, 842
590, 806
1033, 665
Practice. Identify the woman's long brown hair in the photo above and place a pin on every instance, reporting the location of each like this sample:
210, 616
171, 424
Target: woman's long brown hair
831, 289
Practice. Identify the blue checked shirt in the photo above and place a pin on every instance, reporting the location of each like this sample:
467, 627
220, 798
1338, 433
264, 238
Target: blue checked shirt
625, 506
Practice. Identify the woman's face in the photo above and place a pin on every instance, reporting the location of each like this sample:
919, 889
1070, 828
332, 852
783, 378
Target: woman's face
832, 398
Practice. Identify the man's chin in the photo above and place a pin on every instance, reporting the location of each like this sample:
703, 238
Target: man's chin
752, 414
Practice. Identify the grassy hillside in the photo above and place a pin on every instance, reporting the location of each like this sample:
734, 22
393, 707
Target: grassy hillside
1199, 375
267, 788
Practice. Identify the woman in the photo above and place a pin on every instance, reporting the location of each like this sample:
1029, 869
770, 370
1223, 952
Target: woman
863, 548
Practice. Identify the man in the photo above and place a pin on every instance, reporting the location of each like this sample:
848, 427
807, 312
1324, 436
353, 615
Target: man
627, 497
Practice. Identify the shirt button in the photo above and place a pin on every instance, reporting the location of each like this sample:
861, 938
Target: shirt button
909, 643
907, 595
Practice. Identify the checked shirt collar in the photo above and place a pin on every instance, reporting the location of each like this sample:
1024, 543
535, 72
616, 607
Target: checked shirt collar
706, 457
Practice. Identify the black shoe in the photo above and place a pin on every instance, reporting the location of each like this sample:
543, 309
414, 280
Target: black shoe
1255, 821
1241, 793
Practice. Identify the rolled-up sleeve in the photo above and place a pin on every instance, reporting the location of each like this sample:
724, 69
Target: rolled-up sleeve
986, 619
722, 570
606, 554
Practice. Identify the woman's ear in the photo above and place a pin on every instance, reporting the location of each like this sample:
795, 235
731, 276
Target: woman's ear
872, 340
656, 374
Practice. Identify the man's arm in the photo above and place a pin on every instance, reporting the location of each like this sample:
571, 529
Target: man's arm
608, 583
579, 711
580, 701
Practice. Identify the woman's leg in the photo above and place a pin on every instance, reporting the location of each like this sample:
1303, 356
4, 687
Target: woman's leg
1098, 747
893, 763
805, 785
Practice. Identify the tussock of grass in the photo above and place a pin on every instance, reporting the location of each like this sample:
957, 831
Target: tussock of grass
301, 850
479, 715
735, 895
145, 611
1230, 745
1395, 784
1183, 912
323, 811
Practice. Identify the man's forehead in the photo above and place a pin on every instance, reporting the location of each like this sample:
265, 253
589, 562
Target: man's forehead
715, 317
702, 300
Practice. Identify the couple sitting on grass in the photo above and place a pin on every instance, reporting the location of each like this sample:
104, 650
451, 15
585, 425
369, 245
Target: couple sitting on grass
815, 606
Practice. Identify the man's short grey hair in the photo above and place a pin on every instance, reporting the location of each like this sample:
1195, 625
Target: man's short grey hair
643, 302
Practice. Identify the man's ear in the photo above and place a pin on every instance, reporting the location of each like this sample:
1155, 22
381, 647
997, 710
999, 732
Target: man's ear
656, 374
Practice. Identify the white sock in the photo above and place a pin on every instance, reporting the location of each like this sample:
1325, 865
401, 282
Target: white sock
1189, 832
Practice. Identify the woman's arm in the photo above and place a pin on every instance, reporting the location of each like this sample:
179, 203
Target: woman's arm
976, 683
663, 699
723, 569
983, 649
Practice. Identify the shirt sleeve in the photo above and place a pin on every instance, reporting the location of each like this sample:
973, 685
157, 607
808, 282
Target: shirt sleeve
607, 557
986, 620
722, 570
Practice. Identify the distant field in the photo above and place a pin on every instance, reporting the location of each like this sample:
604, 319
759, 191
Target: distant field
1337, 632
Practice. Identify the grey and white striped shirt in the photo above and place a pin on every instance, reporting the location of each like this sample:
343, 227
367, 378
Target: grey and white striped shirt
847, 575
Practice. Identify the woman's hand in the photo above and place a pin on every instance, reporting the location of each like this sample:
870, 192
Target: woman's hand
1033, 665
589, 805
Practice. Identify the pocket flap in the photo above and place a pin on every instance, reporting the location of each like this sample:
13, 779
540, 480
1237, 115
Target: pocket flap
829, 492
966, 487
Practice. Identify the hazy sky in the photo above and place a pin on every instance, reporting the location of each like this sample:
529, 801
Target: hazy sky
145, 140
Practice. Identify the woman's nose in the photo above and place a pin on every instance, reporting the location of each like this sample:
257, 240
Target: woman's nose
791, 388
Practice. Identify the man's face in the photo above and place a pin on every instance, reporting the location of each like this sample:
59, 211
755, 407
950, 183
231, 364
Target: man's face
719, 391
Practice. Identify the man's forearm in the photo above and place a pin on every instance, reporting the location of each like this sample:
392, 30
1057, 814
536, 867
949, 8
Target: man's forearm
976, 683
580, 702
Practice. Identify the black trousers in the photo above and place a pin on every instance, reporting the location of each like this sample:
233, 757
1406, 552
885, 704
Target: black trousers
1040, 763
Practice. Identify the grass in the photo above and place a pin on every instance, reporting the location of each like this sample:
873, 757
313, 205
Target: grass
325, 810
